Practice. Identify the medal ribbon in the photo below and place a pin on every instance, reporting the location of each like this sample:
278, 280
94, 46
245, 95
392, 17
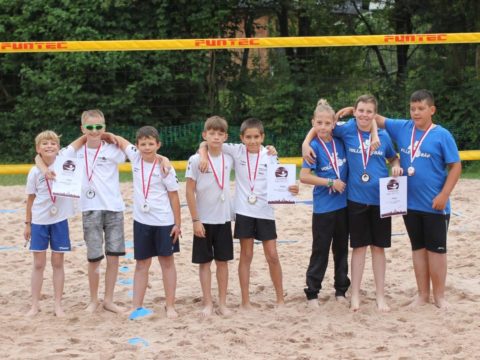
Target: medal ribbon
215, 172
413, 149
53, 198
145, 193
252, 184
94, 161
333, 160
365, 154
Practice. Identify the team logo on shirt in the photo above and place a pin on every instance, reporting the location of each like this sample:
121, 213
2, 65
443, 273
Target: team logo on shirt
419, 152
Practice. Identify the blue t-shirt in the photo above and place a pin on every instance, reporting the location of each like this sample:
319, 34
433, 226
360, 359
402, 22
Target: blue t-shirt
357, 190
437, 150
323, 200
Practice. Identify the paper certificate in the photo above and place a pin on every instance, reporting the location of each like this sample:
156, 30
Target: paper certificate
393, 196
280, 177
68, 179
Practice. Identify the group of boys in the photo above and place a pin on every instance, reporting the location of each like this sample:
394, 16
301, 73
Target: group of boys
156, 210
426, 150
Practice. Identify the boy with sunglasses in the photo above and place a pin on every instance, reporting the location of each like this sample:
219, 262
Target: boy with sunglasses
101, 203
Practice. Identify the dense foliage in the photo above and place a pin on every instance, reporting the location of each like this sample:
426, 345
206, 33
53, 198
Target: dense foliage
280, 86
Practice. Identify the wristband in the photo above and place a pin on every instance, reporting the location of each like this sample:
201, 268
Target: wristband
195, 220
27, 222
330, 183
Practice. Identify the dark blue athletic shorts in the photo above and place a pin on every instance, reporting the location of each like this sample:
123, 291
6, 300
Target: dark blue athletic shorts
150, 241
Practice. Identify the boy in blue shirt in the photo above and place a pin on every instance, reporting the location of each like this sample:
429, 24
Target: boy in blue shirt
429, 155
329, 220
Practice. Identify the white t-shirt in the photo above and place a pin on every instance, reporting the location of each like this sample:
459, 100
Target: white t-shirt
160, 211
210, 207
42, 204
105, 180
261, 209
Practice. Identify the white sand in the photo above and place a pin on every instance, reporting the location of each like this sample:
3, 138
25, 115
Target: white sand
297, 332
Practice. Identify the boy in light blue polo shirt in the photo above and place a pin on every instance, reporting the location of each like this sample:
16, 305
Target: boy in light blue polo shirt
430, 158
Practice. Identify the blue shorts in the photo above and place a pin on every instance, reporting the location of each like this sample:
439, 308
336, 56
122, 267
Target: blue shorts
150, 241
54, 234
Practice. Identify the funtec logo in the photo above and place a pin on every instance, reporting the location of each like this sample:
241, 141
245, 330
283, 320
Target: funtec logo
208, 43
415, 38
35, 45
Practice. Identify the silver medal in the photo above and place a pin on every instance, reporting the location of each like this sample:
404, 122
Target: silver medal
252, 199
365, 177
145, 208
90, 193
411, 171
53, 210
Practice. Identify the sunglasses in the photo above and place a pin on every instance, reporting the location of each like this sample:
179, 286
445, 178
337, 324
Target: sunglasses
94, 127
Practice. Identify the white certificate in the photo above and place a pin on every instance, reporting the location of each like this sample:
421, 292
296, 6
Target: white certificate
393, 196
68, 179
280, 177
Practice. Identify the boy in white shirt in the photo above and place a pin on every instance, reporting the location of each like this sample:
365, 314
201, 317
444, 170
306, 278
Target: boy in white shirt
46, 223
156, 213
254, 218
210, 205
101, 203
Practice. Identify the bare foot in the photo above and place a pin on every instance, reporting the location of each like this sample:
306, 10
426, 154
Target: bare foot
355, 303
171, 313
442, 303
207, 310
382, 305
418, 301
34, 310
246, 307
110, 306
59, 311
224, 310
92, 307
313, 304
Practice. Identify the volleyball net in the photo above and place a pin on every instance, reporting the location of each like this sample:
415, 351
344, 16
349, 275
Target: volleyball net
179, 138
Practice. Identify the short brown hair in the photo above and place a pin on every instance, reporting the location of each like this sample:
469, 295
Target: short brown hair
147, 132
366, 98
92, 113
421, 95
47, 135
251, 123
216, 123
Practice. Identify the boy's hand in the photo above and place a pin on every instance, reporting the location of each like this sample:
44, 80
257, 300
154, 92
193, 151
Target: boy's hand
199, 229
397, 171
165, 165
203, 165
294, 189
308, 154
374, 142
50, 175
27, 232
346, 111
440, 201
271, 151
338, 185
109, 138
175, 233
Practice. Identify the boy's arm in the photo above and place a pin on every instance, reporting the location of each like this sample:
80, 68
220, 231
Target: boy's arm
306, 177
49, 174
78, 143
27, 232
121, 142
380, 120
203, 152
344, 112
198, 228
440, 201
396, 168
375, 139
307, 152
175, 204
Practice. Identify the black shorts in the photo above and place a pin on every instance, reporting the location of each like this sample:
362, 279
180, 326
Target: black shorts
150, 241
218, 244
247, 227
367, 227
427, 230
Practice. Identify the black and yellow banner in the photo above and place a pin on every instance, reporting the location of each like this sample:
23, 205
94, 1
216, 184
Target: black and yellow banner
238, 43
